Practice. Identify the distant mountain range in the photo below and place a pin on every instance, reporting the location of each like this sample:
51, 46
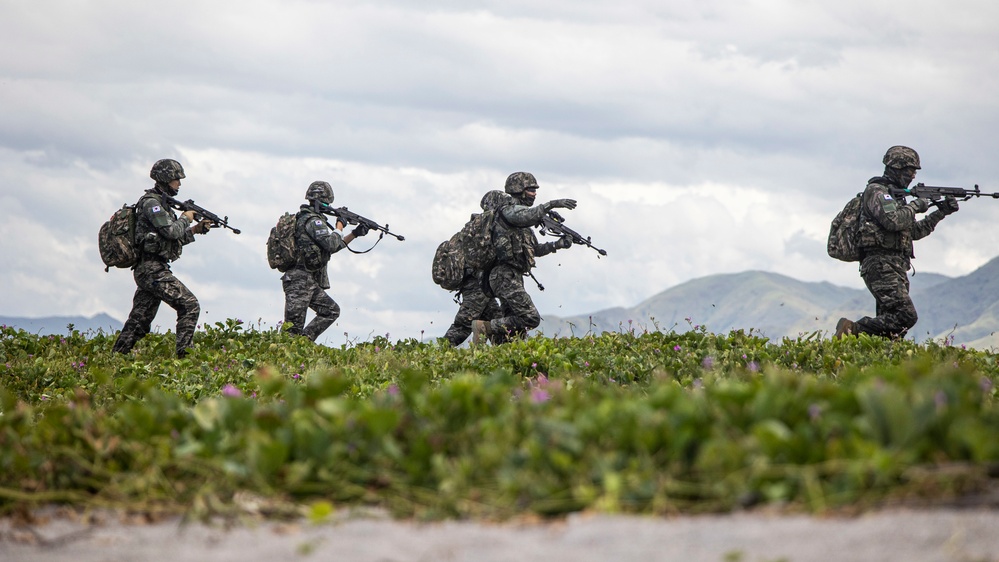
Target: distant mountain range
58, 324
964, 308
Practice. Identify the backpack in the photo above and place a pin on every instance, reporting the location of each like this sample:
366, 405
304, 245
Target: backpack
281, 244
842, 243
116, 239
471, 248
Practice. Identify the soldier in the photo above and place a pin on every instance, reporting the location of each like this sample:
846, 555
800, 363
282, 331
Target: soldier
305, 283
888, 226
475, 303
160, 237
516, 247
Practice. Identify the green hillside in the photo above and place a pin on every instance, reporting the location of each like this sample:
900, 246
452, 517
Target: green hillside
961, 309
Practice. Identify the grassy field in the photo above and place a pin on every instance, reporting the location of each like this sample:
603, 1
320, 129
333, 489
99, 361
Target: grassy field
658, 423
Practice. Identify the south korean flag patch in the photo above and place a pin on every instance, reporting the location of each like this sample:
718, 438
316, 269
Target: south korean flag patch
888, 197
157, 208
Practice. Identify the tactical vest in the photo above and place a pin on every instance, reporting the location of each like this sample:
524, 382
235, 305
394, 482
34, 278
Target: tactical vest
514, 245
310, 255
151, 245
871, 236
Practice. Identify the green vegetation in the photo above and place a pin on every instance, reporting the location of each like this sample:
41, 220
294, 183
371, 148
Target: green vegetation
623, 422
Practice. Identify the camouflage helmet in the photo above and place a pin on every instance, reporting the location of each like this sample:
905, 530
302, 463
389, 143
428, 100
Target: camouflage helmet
519, 182
901, 157
167, 170
320, 191
495, 199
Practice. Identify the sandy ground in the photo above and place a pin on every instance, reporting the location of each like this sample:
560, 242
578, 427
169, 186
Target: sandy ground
970, 535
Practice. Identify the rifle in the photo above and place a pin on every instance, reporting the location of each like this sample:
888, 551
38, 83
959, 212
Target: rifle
200, 213
555, 224
348, 217
936, 194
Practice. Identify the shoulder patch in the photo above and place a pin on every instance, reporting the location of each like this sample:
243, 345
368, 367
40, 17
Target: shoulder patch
156, 208
888, 197
319, 222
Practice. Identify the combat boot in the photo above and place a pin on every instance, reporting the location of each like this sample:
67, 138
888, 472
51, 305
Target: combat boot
845, 327
481, 330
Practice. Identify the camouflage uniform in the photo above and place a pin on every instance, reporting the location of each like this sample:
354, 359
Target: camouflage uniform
304, 285
888, 227
476, 304
160, 236
516, 247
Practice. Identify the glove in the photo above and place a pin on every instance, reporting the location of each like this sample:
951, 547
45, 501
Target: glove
202, 227
920, 205
360, 230
948, 206
563, 242
561, 203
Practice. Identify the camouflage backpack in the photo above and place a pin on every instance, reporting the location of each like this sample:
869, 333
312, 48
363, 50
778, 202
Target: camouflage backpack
471, 247
281, 244
842, 243
116, 239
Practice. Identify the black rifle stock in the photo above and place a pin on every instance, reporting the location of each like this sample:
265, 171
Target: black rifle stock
555, 224
937, 194
201, 213
348, 217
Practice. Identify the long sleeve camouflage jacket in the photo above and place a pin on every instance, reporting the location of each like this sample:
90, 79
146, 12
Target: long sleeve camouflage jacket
316, 240
159, 233
516, 243
889, 223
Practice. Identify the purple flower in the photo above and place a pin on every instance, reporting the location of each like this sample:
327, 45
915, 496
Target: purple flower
534, 365
393, 390
698, 383
585, 364
814, 411
231, 391
539, 395
676, 348
708, 362
986, 385
753, 366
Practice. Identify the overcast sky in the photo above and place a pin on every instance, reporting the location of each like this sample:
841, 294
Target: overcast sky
699, 137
